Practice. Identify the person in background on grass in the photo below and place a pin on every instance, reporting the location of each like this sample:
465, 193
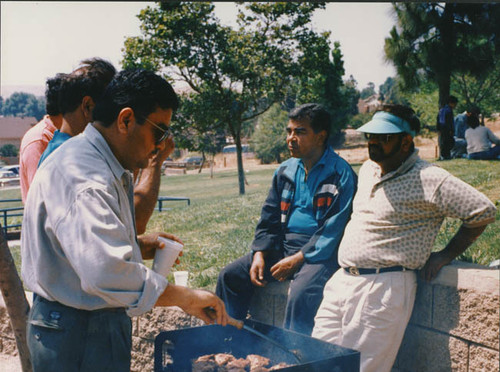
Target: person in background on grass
301, 224
459, 149
398, 210
80, 251
482, 144
445, 128
35, 140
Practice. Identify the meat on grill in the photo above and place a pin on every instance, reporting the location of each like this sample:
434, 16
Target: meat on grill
223, 362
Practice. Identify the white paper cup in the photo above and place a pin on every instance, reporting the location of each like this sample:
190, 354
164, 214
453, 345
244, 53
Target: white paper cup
165, 258
181, 278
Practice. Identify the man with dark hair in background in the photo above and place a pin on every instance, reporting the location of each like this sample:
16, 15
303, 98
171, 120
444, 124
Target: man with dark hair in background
398, 210
35, 140
301, 224
78, 95
446, 128
80, 318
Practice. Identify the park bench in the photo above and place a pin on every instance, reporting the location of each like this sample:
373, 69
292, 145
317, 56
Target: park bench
162, 199
12, 230
7, 214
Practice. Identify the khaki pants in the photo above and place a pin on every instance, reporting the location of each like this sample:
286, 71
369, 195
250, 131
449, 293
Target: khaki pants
368, 313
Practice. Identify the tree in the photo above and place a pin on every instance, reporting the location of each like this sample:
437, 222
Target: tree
15, 301
324, 85
8, 150
437, 40
268, 141
240, 72
196, 131
482, 90
423, 101
368, 91
24, 104
1, 105
390, 91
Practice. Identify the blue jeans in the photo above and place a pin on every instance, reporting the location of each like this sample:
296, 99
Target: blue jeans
491, 154
62, 338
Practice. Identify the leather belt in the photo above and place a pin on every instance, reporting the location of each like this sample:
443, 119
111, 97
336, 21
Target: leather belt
359, 271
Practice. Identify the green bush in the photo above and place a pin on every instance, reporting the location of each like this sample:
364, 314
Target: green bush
269, 139
8, 150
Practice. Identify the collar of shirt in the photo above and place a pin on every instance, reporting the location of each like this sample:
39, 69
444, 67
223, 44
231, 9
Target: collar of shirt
98, 141
403, 168
49, 124
320, 163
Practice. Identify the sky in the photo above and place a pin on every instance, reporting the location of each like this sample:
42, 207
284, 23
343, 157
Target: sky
40, 39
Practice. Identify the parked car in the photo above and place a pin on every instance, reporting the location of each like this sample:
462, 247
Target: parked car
8, 178
12, 168
167, 162
193, 160
231, 149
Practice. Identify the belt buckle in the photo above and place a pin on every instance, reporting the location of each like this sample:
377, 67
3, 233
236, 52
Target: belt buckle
353, 270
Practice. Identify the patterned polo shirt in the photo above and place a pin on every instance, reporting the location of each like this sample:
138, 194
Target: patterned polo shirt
396, 217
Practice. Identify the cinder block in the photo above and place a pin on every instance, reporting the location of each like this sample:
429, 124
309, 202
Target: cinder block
446, 308
467, 314
279, 307
422, 310
426, 350
483, 359
464, 275
268, 303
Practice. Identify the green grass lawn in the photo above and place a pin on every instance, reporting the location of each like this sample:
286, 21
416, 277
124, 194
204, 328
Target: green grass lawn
219, 224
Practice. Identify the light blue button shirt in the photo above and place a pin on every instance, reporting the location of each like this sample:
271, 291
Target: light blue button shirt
78, 242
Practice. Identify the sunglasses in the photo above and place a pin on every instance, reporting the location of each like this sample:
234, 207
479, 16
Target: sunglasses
161, 134
385, 138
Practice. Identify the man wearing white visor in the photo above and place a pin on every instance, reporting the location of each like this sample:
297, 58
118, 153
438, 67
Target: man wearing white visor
397, 212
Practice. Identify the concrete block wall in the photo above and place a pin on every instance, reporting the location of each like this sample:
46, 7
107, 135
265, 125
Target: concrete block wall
454, 325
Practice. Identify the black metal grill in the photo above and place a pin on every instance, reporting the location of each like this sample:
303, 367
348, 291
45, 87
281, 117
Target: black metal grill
175, 350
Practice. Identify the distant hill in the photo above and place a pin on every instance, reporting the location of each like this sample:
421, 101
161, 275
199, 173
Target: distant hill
7, 90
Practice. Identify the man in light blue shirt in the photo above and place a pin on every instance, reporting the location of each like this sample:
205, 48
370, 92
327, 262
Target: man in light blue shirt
80, 251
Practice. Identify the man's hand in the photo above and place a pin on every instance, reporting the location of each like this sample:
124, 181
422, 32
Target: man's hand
464, 237
163, 154
257, 270
149, 243
435, 262
286, 267
195, 302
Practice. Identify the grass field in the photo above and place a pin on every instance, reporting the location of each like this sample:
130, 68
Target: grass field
218, 227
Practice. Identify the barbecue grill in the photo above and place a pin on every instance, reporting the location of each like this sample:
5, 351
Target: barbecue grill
175, 350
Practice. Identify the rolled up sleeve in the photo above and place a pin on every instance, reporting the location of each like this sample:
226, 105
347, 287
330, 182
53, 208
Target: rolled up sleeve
457, 199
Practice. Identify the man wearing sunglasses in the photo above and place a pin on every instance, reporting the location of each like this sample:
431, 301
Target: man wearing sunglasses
80, 251
78, 93
397, 212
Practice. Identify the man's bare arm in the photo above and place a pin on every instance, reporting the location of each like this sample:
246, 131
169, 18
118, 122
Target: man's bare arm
147, 187
457, 245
